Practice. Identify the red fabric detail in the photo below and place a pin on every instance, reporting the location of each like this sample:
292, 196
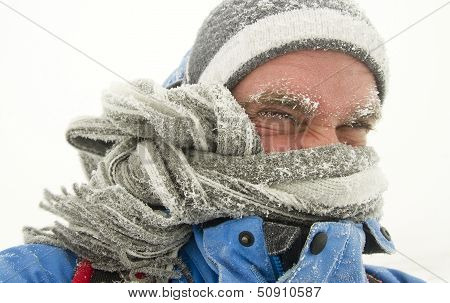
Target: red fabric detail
83, 272
372, 279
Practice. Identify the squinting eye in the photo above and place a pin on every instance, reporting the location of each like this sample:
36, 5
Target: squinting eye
276, 115
359, 125
273, 122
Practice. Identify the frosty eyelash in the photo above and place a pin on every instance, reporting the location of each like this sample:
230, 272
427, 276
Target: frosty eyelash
276, 115
360, 124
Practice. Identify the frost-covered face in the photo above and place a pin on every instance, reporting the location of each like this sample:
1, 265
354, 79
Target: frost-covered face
310, 98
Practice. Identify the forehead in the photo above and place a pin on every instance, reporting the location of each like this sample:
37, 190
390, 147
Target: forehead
339, 83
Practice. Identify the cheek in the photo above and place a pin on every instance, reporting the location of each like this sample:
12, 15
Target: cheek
279, 128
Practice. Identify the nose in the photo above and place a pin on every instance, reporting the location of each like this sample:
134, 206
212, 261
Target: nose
317, 136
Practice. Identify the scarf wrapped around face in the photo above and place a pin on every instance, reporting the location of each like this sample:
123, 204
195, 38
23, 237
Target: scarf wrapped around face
162, 160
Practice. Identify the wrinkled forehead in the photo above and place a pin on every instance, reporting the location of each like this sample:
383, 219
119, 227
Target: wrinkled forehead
332, 82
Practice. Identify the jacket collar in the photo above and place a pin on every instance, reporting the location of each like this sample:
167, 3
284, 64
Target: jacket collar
378, 239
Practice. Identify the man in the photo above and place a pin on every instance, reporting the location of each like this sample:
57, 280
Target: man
251, 165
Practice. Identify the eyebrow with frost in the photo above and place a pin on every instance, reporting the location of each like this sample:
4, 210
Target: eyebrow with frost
366, 114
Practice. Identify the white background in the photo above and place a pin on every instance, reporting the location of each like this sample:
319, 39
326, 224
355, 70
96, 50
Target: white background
44, 84
236, 292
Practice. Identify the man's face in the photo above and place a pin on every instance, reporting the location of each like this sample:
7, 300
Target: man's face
310, 98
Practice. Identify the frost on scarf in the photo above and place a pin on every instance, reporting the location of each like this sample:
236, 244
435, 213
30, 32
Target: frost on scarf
167, 159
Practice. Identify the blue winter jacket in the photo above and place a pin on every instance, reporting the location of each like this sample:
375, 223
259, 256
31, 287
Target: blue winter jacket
238, 251
241, 250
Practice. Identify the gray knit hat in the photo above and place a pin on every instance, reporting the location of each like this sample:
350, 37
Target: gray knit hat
240, 35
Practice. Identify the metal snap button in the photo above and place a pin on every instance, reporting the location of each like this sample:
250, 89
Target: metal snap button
385, 233
318, 243
246, 238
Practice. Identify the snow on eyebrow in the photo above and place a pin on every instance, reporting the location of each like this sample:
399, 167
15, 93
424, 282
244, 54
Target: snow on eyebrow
281, 92
296, 101
284, 92
368, 109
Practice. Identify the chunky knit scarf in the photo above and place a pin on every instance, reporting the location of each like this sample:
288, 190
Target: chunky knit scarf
162, 160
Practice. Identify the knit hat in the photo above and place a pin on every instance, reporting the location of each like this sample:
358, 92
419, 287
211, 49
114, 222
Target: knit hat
240, 35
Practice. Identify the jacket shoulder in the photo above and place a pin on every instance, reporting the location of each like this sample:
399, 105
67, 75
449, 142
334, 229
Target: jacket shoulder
37, 263
389, 275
